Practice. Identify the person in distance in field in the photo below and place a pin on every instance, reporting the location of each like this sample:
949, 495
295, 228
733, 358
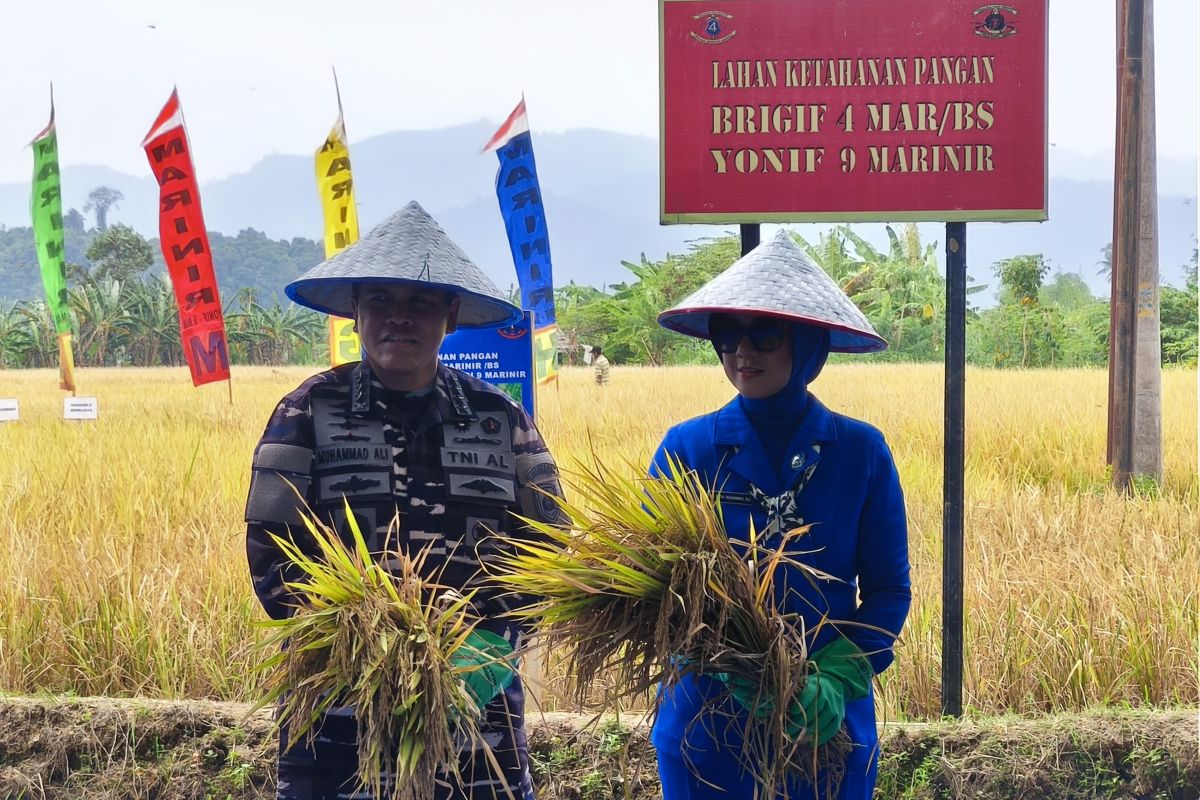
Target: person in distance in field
600, 366
781, 460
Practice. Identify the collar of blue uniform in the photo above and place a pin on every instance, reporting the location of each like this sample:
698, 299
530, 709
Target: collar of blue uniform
732, 427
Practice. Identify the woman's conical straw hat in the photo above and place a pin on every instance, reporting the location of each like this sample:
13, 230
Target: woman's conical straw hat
407, 247
777, 279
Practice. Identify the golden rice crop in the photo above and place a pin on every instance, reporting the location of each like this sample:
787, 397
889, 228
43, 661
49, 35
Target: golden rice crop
641, 584
122, 544
378, 639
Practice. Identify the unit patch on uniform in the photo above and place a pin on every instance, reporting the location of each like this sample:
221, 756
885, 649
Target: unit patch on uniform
487, 487
333, 486
479, 529
543, 479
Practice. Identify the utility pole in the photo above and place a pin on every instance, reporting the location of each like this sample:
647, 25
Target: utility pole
1135, 381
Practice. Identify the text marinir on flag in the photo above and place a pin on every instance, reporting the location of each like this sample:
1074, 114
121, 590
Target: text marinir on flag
185, 247
49, 239
524, 215
335, 187
184, 238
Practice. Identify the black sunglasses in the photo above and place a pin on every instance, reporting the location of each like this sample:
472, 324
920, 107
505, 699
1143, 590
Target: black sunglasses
726, 333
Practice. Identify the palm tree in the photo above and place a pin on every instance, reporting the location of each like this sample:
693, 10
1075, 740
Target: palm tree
14, 340
899, 291
275, 334
102, 319
153, 337
35, 335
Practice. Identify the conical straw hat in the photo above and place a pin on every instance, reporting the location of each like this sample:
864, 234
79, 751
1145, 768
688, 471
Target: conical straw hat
407, 247
777, 279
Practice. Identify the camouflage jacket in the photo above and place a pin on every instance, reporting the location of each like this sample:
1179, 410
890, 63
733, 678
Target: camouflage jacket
452, 479
471, 461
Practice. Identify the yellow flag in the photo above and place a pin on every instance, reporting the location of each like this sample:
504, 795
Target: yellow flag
336, 187
66, 363
545, 361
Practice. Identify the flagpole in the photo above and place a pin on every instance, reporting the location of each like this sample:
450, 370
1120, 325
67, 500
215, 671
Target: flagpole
338, 91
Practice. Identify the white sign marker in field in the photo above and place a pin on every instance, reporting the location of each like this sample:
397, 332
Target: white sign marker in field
81, 408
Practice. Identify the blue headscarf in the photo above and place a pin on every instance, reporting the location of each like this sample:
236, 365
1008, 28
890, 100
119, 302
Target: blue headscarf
776, 418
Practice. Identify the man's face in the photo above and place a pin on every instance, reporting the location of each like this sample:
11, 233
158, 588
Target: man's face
755, 373
401, 327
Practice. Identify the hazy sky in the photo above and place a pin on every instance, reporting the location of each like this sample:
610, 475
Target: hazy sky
254, 75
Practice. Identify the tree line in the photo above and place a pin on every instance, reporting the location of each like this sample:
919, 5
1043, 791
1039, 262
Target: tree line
124, 308
123, 305
1036, 322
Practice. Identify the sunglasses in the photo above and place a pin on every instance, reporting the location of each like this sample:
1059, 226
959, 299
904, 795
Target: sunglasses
765, 333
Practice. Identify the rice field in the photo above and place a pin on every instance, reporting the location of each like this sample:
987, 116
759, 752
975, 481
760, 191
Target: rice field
122, 545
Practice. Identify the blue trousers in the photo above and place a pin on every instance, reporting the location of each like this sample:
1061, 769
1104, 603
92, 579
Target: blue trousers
684, 781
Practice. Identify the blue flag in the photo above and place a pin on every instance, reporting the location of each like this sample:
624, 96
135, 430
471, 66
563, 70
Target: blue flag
524, 216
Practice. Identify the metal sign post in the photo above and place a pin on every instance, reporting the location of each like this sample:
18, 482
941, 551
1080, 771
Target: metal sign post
953, 460
751, 236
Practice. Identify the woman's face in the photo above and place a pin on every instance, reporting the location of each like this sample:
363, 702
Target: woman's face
756, 374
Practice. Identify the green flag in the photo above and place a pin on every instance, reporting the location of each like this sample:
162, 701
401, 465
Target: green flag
46, 205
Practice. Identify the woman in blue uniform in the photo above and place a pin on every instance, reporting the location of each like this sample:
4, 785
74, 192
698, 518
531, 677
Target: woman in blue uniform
782, 460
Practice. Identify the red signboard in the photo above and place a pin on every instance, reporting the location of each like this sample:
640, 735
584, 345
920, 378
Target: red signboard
808, 110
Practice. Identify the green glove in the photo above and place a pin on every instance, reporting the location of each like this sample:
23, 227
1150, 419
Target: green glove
486, 665
840, 673
842, 659
818, 709
747, 694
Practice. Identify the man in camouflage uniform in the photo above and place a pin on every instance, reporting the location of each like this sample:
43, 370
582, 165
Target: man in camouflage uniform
400, 434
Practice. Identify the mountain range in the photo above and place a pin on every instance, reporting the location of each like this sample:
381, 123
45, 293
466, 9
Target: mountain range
601, 197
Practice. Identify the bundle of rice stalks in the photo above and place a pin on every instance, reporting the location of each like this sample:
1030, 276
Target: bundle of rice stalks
642, 585
379, 640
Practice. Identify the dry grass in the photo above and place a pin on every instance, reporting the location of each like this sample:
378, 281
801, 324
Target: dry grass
121, 541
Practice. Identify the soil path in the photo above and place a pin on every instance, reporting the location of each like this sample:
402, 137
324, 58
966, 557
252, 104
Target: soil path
105, 749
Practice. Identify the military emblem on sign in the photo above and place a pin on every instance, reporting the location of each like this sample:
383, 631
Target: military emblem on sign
513, 333
490, 425
713, 27
994, 25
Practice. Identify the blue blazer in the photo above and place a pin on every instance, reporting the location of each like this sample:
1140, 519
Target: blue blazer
849, 492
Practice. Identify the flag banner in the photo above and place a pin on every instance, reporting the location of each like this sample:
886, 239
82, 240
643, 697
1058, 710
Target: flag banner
545, 352
185, 247
48, 234
344, 345
66, 363
503, 357
336, 188
521, 206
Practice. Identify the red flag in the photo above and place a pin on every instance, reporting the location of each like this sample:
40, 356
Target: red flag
516, 124
185, 247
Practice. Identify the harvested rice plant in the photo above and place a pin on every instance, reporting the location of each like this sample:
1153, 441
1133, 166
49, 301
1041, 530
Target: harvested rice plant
122, 544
